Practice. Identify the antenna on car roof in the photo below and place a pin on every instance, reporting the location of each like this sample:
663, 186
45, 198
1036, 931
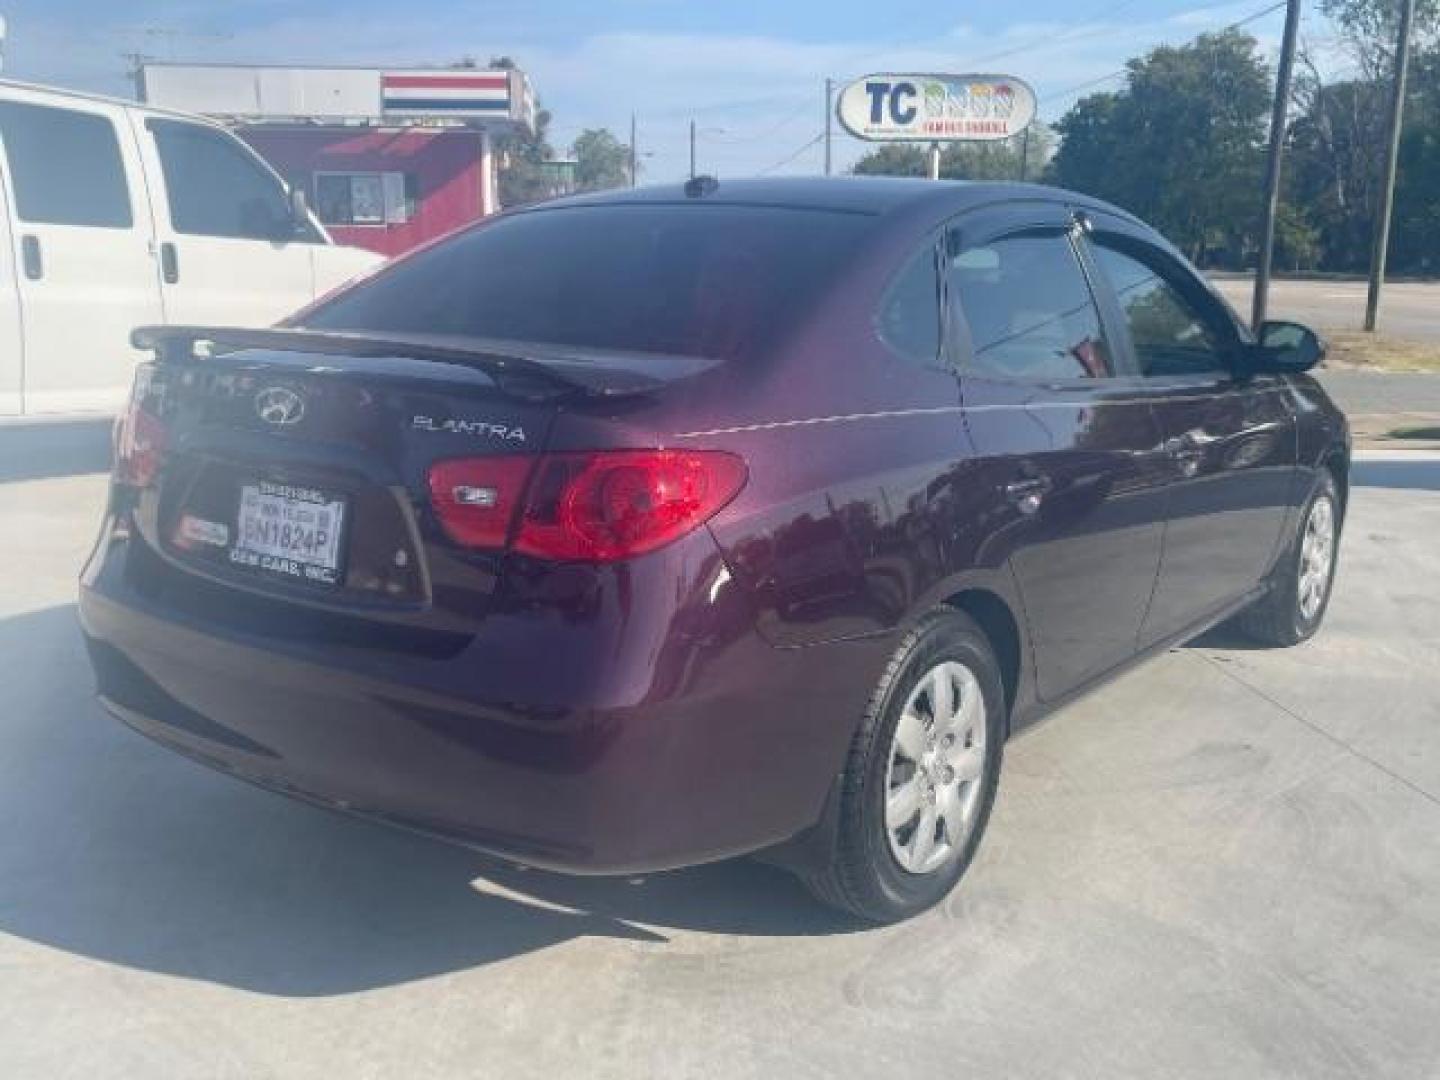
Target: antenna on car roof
699, 186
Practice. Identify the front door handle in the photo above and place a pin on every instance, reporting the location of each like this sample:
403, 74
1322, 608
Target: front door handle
169, 263
30, 256
1027, 493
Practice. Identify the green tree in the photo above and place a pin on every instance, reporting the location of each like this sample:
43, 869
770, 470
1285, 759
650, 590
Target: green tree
601, 160
522, 153
998, 160
1370, 27
893, 159
1181, 144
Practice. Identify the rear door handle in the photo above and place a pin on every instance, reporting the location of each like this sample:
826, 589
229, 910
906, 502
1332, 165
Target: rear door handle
1027, 493
169, 263
31, 258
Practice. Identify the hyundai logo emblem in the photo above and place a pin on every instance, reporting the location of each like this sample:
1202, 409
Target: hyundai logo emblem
279, 405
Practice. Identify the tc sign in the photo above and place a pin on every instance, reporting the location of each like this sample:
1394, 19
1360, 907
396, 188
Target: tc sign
935, 108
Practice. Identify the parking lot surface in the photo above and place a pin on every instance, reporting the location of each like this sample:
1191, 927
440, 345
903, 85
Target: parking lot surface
1225, 864
1407, 308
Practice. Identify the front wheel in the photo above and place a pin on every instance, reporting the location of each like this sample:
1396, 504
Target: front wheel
921, 776
1295, 606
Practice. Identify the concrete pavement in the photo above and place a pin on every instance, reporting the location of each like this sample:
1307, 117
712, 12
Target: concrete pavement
1223, 865
1409, 310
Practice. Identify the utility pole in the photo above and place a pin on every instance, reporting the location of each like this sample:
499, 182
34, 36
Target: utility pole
633, 159
1025, 151
1272, 168
829, 101
1392, 159
692, 148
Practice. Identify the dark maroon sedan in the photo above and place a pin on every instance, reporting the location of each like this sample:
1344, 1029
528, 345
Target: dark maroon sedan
655, 527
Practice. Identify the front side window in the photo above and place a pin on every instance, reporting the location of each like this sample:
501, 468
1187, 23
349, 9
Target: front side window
712, 280
65, 167
1029, 309
1170, 333
910, 313
215, 188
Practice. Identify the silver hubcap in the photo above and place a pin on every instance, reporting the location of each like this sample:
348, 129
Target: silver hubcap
937, 759
1317, 552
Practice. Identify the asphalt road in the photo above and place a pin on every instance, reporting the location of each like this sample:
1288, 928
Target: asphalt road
1223, 865
1407, 309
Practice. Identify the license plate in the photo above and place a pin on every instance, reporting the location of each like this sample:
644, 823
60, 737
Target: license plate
291, 530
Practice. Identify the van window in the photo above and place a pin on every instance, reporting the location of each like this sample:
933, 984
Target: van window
216, 188
65, 167
1029, 309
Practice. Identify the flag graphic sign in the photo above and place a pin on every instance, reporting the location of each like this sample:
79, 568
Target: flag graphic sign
451, 93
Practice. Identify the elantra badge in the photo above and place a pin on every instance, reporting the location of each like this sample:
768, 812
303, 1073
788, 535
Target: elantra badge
279, 405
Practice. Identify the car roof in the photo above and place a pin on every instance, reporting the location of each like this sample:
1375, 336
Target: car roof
876, 195
63, 94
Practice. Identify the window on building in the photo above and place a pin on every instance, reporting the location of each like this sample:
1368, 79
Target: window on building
65, 167
365, 198
1029, 309
216, 188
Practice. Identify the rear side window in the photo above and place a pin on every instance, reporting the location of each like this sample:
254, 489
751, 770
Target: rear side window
1029, 309
215, 188
65, 167
1171, 333
701, 280
910, 313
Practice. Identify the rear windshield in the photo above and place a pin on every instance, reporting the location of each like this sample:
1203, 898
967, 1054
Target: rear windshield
714, 281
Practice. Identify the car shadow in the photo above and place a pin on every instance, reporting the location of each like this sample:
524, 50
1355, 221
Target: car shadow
41, 450
115, 849
1422, 473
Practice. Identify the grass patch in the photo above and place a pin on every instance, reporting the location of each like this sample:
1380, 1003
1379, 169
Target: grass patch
1415, 431
1355, 349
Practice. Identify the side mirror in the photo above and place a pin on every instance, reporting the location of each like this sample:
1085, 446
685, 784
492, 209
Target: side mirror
1285, 348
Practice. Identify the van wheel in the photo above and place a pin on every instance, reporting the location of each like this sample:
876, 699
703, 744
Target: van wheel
1295, 606
921, 776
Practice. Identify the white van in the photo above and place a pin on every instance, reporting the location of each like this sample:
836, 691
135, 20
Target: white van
114, 215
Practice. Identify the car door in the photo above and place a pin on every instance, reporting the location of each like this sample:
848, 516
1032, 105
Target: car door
1064, 437
231, 252
12, 345
80, 248
1231, 439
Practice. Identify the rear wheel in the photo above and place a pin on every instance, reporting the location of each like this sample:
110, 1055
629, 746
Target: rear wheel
1295, 606
921, 776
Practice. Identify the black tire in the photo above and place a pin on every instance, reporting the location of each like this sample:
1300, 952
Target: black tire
1277, 618
863, 876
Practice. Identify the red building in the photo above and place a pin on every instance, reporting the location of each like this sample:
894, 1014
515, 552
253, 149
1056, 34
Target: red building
387, 159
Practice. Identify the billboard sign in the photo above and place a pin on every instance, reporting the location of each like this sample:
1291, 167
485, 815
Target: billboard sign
935, 108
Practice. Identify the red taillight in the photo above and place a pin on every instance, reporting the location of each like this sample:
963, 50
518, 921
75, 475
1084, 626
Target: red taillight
593, 507
140, 435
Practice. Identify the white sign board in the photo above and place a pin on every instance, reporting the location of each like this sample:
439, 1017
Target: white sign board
935, 108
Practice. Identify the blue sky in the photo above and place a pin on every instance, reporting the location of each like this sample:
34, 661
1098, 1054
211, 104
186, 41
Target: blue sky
750, 72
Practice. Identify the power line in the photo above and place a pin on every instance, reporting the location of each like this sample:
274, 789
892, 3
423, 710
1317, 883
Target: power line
790, 157
1123, 71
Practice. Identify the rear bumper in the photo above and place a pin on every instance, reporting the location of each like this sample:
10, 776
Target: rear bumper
701, 743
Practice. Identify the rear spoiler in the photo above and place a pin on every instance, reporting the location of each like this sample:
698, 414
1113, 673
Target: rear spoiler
531, 370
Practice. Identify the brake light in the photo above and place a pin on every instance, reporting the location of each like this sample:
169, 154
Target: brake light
602, 506
476, 498
140, 435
